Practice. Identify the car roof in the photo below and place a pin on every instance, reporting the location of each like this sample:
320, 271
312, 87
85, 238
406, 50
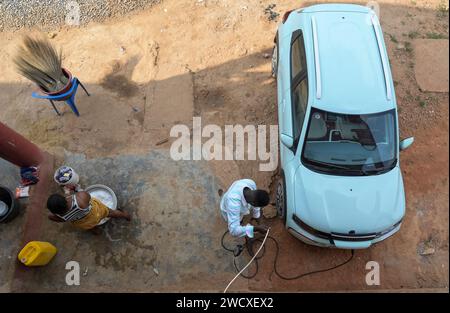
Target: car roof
353, 79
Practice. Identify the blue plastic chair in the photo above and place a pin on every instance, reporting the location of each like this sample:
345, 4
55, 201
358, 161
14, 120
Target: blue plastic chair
68, 97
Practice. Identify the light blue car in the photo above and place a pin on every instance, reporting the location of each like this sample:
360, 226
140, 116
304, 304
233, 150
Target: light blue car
341, 184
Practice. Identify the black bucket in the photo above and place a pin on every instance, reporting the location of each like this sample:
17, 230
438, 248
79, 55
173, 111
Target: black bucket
12, 205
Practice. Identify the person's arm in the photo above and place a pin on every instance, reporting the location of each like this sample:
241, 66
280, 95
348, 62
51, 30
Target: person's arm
70, 189
234, 220
256, 213
260, 229
83, 199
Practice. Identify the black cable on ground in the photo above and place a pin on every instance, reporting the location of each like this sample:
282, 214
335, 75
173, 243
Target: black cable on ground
249, 245
235, 256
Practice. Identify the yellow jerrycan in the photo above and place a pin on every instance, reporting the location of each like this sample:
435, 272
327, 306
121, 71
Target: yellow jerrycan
37, 253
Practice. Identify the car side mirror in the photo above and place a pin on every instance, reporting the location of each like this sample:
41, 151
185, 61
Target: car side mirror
405, 143
288, 141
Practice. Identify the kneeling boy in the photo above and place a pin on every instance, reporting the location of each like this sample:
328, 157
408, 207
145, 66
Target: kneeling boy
81, 210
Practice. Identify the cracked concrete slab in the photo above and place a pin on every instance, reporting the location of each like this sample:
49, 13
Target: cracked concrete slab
172, 242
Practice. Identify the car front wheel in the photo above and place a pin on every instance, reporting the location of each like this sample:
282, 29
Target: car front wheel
281, 199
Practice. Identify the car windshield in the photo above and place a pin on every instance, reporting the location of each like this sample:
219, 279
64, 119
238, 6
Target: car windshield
349, 144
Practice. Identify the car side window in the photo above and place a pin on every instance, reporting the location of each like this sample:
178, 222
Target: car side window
299, 84
300, 103
298, 56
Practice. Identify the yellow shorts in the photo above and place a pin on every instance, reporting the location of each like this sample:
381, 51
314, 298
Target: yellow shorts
98, 212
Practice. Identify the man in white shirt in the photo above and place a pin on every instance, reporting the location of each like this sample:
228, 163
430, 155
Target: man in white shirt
241, 198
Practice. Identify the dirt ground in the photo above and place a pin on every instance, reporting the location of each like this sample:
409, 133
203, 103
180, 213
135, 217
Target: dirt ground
160, 67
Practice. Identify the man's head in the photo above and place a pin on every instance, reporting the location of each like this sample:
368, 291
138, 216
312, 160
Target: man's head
257, 198
57, 204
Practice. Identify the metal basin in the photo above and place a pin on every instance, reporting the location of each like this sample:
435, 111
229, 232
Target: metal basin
9, 206
105, 195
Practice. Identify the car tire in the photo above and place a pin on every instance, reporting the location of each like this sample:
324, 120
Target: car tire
274, 61
280, 199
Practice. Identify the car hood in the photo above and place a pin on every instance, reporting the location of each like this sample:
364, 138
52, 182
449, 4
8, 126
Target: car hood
340, 204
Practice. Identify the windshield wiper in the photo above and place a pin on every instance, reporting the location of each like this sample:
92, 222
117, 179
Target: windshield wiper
389, 167
363, 171
379, 170
328, 165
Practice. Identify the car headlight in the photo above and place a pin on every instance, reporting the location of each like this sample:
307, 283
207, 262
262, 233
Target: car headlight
388, 230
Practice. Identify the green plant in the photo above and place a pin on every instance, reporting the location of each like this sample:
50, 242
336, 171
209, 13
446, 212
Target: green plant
433, 35
393, 38
37, 60
408, 47
413, 34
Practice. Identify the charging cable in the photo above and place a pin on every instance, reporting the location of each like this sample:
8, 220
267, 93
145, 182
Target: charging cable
249, 246
254, 256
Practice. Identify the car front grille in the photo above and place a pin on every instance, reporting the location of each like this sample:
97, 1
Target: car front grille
339, 236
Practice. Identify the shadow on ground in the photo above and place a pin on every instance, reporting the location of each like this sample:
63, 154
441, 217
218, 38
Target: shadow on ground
173, 242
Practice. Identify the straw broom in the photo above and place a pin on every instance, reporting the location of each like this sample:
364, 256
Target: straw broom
37, 60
